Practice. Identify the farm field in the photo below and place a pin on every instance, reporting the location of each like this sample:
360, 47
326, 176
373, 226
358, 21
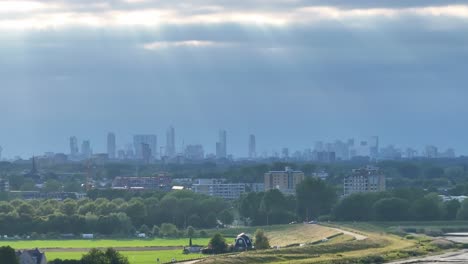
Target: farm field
374, 246
135, 257
104, 243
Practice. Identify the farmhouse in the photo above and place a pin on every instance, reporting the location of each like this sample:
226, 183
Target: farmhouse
33, 256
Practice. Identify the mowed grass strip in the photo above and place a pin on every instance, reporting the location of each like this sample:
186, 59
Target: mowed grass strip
135, 257
103, 243
299, 234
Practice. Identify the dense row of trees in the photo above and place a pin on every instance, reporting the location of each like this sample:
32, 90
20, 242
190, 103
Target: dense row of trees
96, 256
399, 205
116, 216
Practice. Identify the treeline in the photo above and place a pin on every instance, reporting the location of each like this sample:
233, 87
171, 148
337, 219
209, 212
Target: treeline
408, 204
313, 198
316, 200
116, 216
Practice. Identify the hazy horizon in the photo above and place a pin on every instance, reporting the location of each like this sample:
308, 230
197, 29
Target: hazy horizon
290, 72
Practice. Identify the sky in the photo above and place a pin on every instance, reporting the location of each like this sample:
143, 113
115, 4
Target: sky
289, 71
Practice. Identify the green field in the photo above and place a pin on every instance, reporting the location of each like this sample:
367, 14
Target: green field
104, 243
135, 257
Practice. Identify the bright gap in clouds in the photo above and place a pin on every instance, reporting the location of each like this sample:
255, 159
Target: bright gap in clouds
39, 15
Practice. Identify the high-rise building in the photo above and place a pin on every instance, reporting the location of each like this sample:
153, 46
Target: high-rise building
86, 150
150, 140
194, 152
252, 147
374, 147
221, 145
111, 148
432, 152
368, 179
170, 142
285, 181
285, 153
1, 149
73, 146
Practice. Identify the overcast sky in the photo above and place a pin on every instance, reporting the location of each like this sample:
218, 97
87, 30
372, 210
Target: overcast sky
290, 71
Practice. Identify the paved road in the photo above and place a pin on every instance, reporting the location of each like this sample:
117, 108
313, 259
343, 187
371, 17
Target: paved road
452, 257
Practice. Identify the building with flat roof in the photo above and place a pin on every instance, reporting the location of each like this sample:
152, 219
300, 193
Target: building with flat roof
218, 188
367, 179
158, 181
285, 181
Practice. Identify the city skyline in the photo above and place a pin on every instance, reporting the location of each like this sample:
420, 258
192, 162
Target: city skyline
291, 72
79, 148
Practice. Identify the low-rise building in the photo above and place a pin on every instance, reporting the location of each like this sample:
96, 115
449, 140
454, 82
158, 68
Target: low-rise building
33, 256
368, 179
4, 185
285, 181
159, 181
218, 188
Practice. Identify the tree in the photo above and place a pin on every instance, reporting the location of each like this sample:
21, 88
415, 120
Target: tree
273, 201
218, 244
226, 217
261, 240
451, 209
428, 208
155, 231
115, 257
110, 256
463, 212
8, 255
144, 229
391, 209
314, 198
190, 231
169, 230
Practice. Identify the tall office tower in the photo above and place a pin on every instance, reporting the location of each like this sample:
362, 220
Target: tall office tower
1, 149
252, 147
194, 152
319, 146
73, 146
170, 142
285, 153
221, 145
111, 149
150, 140
374, 147
86, 150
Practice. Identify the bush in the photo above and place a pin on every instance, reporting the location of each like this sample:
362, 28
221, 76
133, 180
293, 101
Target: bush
218, 244
261, 240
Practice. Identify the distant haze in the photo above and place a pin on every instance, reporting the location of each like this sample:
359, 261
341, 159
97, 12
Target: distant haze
290, 72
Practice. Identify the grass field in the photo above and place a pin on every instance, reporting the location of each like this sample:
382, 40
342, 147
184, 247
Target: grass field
135, 257
377, 248
157, 242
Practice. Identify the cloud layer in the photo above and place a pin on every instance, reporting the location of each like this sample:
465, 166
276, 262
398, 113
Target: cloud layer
290, 71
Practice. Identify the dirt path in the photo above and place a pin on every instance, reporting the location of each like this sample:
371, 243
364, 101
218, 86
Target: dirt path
116, 248
355, 235
452, 257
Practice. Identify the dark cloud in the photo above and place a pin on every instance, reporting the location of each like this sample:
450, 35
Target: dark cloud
323, 81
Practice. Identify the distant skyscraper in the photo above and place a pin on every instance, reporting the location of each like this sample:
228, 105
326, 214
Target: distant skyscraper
86, 150
374, 147
221, 145
194, 152
1, 149
150, 140
111, 148
285, 153
170, 142
252, 147
73, 146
